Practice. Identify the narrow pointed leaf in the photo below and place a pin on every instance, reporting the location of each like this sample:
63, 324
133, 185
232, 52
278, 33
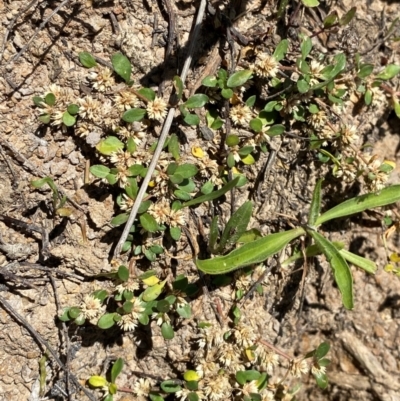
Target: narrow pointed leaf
341, 270
368, 265
236, 226
116, 369
358, 204
315, 204
250, 253
213, 195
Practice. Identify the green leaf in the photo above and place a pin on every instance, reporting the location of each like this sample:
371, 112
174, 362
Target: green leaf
281, 49
68, 120
232, 140
243, 376
170, 386
277, 129
359, 261
135, 114
250, 253
106, 321
122, 66
148, 93
303, 86
123, 273
212, 195
227, 93
368, 97
239, 78
178, 84
330, 19
365, 70
341, 271
193, 396
184, 311
50, 99
119, 219
396, 106
163, 306
175, 233
97, 381
73, 109
182, 195
213, 235
37, 100
87, 60
116, 369
173, 146
306, 47
251, 101
186, 170
135, 170
322, 381
197, 100
256, 125
153, 292
315, 207
148, 222
209, 81
109, 145
99, 170
191, 119
390, 71
155, 397
358, 204
167, 331
74, 312
310, 3
44, 118
236, 226
322, 350
207, 188
348, 16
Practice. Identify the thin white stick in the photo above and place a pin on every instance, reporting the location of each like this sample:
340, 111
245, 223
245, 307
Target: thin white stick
163, 136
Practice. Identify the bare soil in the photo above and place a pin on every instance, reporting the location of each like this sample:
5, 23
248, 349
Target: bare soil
365, 348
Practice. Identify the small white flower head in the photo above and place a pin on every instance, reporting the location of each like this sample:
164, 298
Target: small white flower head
266, 66
317, 120
83, 128
160, 211
267, 360
126, 203
242, 279
240, 114
206, 368
131, 132
129, 321
176, 218
183, 394
102, 79
211, 336
228, 355
348, 135
299, 367
249, 388
90, 307
318, 370
244, 335
89, 108
122, 158
57, 118
125, 100
160, 318
217, 388
131, 285
142, 387
156, 109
